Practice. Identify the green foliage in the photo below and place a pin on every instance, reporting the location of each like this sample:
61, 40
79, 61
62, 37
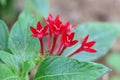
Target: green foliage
39, 8
113, 60
24, 49
3, 36
20, 41
61, 68
104, 34
12, 67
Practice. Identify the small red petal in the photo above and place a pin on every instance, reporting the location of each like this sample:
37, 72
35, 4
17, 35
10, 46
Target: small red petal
52, 28
39, 27
33, 30
63, 28
45, 29
73, 43
90, 44
85, 40
72, 36
90, 50
73, 27
57, 18
67, 24
57, 22
64, 38
50, 17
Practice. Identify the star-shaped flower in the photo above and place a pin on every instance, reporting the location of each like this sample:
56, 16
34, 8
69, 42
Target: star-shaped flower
40, 31
85, 46
55, 25
66, 41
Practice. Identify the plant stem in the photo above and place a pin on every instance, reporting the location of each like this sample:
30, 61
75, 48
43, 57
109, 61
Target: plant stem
75, 52
53, 45
42, 47
49, 40
58, 48
62, 50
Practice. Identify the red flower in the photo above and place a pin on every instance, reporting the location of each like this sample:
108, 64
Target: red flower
56, 25
66, 41
56, 28
39, 32
86, 46
69, 27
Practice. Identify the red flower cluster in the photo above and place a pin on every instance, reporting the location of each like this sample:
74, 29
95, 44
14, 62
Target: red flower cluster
55, 29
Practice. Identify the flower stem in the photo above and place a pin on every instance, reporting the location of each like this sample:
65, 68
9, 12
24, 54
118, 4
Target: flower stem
42, 47
62, 50
49, 40
58, 48
75, 52
53, 45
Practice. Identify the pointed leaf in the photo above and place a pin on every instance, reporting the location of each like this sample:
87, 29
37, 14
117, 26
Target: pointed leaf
3, 36
38, 7
12, 67
61, 68
20, 41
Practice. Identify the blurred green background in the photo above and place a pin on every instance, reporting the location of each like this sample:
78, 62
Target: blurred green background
75, 11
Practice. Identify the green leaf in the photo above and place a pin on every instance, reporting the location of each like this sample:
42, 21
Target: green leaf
61, 68
113, 60
12, 67
20, 41
3, 36
24, 48
104, 34
38, 7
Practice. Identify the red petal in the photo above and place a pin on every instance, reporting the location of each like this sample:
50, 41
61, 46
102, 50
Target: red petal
57, 22
64, 38
90, 50
50, 18
33, 30
39, 27
67, 24
45, 29
73, 42
51, 27
72, 36
63, 29
57, 18
90, 44
73, 27
85, 40
34, 35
